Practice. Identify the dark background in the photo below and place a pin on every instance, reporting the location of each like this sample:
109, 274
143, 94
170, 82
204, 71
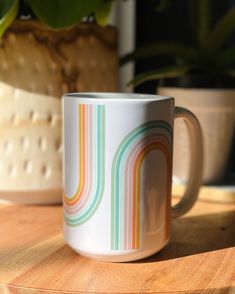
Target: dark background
171, 25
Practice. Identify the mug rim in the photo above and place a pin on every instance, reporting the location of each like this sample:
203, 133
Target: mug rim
116, 96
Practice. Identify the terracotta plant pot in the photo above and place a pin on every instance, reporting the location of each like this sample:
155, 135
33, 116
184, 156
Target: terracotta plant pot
37, 66
215, 109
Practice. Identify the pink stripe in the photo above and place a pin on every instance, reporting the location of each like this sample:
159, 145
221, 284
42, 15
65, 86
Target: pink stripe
88, 161
130, 161
128, 191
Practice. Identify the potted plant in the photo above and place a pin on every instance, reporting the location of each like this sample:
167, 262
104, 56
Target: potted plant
46, 50
201, 78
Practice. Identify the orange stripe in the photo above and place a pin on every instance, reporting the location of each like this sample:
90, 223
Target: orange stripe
136, 187
82, 155
87, 171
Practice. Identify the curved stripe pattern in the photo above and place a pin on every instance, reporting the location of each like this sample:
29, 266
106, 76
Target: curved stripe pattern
126, 178
80, 206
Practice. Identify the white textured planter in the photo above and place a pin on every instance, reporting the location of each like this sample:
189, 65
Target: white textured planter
30, 147
37, 66
215, 109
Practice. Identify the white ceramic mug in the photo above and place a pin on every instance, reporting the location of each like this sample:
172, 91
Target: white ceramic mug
118, 173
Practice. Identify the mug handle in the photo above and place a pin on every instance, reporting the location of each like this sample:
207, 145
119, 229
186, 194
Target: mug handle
196, 162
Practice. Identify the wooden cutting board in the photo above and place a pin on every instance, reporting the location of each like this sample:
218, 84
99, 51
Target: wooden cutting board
199, 259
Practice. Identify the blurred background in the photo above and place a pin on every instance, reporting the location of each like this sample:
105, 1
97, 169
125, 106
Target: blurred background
180, 48
174, 23
171, 24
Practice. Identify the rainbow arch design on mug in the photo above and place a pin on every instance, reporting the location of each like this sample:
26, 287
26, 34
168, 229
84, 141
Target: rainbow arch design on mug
126, 176
80, 206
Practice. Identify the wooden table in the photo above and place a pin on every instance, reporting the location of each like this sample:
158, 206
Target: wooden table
199, 259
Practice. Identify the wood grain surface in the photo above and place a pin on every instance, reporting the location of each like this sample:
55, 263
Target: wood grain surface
199, 259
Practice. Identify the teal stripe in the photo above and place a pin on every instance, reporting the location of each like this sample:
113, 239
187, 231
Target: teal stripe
118, 173
99, 171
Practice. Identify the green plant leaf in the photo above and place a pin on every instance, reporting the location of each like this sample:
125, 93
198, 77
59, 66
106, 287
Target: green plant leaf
220, 33
226, 57
59, 14
8, 12
229, 72
161, 73
170, 49
103, 13
163, 5
200, 11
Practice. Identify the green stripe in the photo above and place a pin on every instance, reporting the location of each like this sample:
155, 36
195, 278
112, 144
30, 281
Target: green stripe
100, 157
116, 194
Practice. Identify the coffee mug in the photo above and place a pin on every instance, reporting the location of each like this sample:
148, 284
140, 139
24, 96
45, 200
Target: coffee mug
118, 173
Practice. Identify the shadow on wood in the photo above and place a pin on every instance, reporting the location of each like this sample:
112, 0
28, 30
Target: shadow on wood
198, 234
34, 257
